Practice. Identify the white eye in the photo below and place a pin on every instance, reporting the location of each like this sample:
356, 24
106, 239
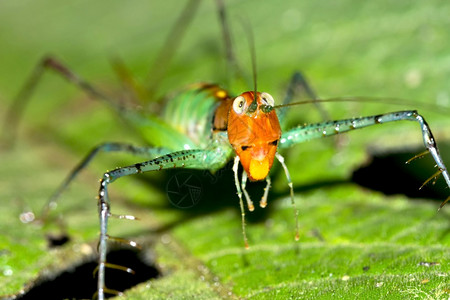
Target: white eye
268, 99
238, 105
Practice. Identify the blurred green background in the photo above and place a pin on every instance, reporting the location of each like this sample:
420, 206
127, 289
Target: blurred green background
377, 48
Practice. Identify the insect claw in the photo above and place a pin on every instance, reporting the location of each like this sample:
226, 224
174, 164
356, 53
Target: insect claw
434, 176
262, 203
420, 155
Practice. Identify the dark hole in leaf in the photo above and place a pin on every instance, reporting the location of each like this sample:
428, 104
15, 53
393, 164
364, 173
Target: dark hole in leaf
55, 241
388, 173
79, 282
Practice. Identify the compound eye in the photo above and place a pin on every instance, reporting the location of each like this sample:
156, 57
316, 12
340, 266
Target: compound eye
268, 99
239, 105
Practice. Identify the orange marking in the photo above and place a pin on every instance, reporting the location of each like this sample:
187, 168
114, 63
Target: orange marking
221, 94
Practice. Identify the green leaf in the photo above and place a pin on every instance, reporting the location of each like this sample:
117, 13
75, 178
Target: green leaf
355, 243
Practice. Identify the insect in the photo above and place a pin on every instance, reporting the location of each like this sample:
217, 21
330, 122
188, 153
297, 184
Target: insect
213, 128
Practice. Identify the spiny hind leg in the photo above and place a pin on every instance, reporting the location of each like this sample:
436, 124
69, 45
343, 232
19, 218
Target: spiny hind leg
19, 103
194, 159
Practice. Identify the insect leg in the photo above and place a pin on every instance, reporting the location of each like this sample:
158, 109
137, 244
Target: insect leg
250, 205
299, 85
106, 147
133, 89
194, 159
291, 188
313, 131
15, 111
241, 203
263, 202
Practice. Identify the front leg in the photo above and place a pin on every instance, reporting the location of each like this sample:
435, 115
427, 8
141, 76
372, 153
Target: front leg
313, 131
193, 159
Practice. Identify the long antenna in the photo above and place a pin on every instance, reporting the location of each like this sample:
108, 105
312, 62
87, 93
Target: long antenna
251, 43
375, 100
173, 40
234, 70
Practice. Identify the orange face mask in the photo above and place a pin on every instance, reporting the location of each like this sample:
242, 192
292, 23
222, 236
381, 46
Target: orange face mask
254, 131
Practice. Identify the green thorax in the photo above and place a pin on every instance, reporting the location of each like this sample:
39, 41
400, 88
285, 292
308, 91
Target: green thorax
191, 113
